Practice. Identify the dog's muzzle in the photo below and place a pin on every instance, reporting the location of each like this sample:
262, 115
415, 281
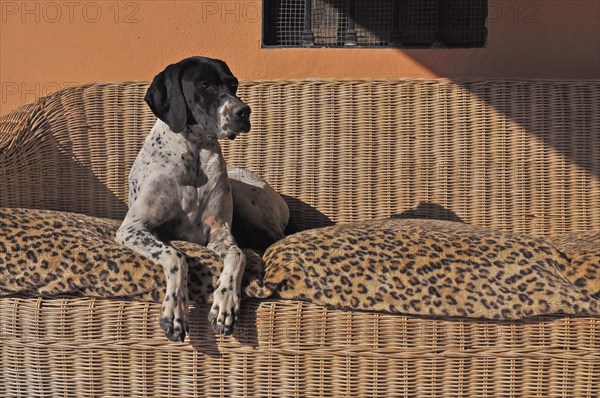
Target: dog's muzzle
242, 121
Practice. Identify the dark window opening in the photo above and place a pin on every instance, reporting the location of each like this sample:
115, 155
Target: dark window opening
374, 23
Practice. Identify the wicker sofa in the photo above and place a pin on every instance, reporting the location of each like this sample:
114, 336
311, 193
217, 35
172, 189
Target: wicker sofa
513, 155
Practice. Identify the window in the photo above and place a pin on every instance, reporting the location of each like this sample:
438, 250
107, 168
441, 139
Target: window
374, 23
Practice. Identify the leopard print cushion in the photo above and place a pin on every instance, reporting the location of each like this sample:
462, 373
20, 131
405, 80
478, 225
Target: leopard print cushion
400, 266
425, 267
45, 253
583, 251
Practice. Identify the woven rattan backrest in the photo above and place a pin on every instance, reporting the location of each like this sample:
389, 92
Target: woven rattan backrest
516, 155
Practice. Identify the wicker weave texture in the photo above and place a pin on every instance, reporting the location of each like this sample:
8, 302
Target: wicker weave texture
514, 155
518, 155
98, 348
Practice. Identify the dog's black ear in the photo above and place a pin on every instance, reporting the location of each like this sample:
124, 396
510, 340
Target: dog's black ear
165, 98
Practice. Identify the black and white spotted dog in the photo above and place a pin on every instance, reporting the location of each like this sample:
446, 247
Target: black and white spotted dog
179, 187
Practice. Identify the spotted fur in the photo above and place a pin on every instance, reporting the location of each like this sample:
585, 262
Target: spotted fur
179, 188
424, 267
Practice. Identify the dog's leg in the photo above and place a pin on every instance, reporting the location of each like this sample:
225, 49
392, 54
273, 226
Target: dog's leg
135, 235
227, 295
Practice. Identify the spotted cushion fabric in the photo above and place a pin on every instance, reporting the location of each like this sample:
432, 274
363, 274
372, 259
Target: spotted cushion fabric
48, 253
427, 267
583, 251
416, 267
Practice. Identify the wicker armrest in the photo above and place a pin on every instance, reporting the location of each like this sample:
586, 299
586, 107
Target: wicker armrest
66, 152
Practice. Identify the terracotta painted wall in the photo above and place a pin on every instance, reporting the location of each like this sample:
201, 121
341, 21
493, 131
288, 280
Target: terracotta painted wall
47, 45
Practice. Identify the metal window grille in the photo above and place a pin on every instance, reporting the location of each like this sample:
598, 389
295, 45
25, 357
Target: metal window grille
374, 23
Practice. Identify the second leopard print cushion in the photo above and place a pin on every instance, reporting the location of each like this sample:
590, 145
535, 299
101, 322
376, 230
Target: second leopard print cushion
425, 267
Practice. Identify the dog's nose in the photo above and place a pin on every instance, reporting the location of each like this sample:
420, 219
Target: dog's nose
242, 111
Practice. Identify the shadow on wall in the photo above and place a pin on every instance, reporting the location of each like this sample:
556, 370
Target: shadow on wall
506, 51
308, 217
304, 216
430, 211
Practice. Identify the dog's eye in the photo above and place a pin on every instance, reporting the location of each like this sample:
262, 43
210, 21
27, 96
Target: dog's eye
203, 85
233, 85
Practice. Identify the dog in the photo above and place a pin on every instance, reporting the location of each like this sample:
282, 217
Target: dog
179, 187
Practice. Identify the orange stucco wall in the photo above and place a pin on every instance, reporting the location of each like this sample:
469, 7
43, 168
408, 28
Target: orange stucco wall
46, 45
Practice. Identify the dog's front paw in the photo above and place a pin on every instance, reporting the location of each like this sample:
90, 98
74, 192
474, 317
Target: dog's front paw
174, 318
224, 311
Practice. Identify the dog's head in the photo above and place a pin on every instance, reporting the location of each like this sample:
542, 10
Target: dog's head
202, 92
